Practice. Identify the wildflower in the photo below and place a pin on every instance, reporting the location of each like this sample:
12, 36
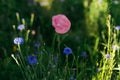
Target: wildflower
36, 44
14, 48
117, 27
72, 78
33, 32
18, 40
84, 54
67, 51
115, 47
21, 27
32, 60
107, 56
61, 23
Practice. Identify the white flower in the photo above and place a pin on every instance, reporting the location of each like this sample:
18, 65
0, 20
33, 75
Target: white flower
21, 27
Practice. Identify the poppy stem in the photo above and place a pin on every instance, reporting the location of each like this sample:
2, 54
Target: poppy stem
53, 42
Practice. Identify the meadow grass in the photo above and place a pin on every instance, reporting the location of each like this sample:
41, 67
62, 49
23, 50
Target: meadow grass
48, 63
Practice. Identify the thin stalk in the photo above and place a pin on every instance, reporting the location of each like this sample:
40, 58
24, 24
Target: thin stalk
21, 60
58, 38
53, 42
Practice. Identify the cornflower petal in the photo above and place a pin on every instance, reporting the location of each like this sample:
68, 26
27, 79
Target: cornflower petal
67, 51
32, 60
18, 40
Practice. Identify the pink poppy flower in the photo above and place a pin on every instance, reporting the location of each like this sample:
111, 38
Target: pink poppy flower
61, 23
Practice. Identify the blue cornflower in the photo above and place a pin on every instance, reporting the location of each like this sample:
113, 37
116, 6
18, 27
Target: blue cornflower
36, 44
32, 60
115, 47
21, 27
117, 27
67, 51
73, 78
107, 56
18, 40
84, 54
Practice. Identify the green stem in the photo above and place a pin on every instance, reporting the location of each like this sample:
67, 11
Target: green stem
21, 60
58, 38
35, 74
53, 43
